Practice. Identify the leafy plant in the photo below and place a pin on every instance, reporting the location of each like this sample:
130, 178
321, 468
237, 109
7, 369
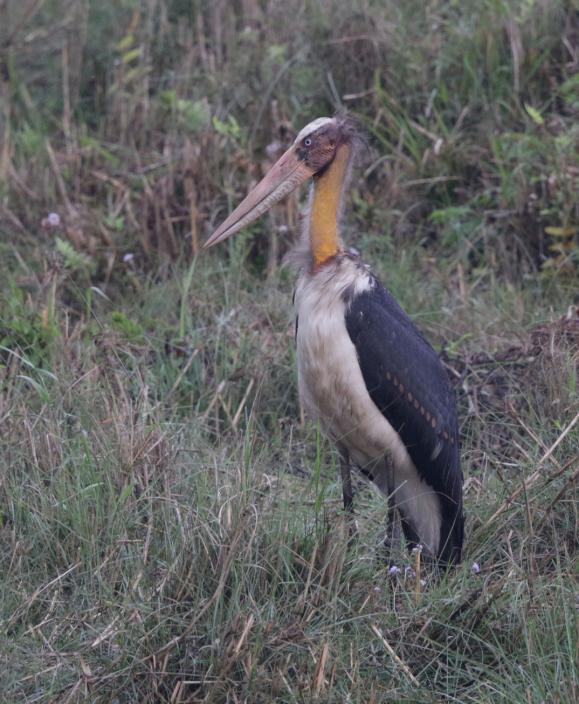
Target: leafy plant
23, 329
127, 327
75, 261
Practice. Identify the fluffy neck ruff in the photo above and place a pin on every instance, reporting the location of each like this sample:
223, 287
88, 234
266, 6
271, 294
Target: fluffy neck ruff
325, 208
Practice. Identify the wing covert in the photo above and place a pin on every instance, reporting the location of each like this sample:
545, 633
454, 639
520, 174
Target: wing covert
406, 380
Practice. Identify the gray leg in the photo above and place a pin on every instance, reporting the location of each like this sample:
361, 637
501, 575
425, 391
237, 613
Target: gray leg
392, 526
347, 492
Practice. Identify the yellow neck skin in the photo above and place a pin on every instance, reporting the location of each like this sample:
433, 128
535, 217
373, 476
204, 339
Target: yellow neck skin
324, 240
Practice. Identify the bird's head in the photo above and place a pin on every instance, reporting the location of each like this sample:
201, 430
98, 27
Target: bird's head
311, 153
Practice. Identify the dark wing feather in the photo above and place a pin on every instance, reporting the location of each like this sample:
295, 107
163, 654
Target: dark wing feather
406, 380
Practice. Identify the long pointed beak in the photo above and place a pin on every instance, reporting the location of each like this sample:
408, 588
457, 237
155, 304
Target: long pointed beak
283, 178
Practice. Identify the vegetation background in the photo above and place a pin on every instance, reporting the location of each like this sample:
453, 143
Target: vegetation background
170, 528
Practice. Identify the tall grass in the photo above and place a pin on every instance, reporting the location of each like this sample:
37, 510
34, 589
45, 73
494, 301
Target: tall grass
170, 528
161, 113
166, 536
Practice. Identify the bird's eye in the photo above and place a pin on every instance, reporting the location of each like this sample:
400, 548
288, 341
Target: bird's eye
307, 142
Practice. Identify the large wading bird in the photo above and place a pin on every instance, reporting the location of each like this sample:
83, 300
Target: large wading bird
365, 372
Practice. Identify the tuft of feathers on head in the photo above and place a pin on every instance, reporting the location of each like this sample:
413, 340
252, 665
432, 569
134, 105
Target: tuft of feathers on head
355, 132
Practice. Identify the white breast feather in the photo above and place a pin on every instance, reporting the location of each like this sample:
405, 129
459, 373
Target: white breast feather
333, 391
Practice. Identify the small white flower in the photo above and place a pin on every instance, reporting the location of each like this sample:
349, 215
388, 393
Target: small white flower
416, 549
394, 569
128, 257
475, 568
377, 589
51, 221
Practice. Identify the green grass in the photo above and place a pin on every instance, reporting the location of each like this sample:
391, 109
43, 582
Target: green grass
158, 543
170, 528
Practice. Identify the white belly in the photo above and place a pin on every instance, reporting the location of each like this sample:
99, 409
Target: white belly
333, 392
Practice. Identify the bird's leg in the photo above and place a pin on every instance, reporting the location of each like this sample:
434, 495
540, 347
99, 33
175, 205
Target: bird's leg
347, 492
392, 527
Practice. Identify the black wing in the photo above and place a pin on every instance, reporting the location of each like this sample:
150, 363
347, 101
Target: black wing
406, 380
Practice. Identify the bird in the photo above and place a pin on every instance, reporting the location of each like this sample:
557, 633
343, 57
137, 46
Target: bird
366, 374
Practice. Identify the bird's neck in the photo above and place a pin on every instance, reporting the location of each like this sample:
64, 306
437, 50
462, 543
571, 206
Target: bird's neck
328, 187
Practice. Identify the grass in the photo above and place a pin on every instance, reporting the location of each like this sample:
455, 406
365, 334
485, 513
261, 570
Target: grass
165, 535
170, 528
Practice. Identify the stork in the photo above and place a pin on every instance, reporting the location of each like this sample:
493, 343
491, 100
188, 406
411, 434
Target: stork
365, 372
